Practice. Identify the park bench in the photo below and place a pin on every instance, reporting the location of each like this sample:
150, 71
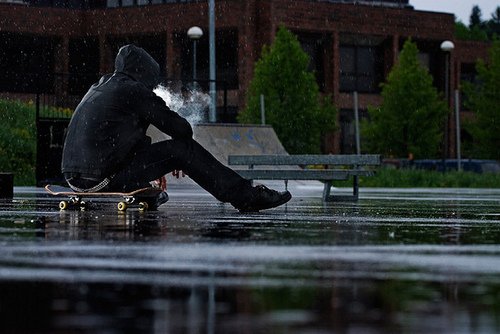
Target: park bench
324, 168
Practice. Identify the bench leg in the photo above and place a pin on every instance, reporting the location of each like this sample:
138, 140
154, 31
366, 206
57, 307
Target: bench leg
326, 191
355, 187
327, 197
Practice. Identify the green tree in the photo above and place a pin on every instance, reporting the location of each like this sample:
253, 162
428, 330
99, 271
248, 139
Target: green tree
293, 103
475, 17
479, 30
493, 24
495, 16
470, 34
483, 98
461, 31
411, 116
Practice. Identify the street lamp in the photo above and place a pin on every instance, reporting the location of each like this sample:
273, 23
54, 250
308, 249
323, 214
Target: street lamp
446, 47
194, 33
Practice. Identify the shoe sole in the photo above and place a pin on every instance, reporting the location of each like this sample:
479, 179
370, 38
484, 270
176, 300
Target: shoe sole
283, 201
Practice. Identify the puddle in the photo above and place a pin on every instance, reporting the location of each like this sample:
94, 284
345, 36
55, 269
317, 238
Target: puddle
396, 261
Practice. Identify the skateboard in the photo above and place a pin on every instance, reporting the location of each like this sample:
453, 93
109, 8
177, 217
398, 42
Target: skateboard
124, 200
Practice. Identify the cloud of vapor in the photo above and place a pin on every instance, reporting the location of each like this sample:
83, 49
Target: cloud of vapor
191, 103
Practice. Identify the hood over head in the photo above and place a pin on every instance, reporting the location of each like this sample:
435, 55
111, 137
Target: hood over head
137, 63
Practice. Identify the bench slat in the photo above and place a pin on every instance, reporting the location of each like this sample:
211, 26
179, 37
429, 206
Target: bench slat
305, 159
306, 174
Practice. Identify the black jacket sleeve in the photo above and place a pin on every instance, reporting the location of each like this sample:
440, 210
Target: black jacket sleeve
154, 110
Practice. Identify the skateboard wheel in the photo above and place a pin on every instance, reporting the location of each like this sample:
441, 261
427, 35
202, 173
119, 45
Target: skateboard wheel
63, 205
122, 206
143, 206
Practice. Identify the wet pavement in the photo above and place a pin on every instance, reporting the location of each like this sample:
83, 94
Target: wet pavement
410, 261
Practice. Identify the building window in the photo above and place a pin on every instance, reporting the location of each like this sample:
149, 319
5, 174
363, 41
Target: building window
424, 58
468, 72
83, 64
348, 129
314, 46
360, 68
27, 63
226, 41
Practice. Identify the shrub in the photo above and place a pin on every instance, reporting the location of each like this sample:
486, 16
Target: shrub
18, 140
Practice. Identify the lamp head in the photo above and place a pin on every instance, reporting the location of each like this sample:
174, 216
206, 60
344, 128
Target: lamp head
195, 32
447, 46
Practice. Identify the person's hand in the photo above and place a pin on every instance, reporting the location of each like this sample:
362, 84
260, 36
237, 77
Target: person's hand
162, 183
178, 173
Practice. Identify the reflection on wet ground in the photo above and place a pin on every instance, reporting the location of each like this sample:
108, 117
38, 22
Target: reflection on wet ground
396, 261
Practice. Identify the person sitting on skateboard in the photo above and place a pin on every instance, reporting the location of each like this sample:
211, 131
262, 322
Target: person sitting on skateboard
106, 147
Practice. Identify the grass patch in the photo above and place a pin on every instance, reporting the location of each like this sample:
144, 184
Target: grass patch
413, 178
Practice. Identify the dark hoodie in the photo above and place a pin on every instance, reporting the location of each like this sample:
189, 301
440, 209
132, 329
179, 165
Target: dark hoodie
110, 122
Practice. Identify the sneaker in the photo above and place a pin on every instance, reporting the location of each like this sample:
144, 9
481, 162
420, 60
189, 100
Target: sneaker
162, 198
155, 202
265, 198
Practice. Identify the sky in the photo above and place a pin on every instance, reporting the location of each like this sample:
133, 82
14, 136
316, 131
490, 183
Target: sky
461, 8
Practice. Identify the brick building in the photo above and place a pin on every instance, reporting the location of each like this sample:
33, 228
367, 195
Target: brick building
352, 44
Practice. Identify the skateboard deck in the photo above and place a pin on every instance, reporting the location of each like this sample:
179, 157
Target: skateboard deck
123, 199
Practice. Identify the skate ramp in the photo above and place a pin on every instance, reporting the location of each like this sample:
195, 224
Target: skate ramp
223, 140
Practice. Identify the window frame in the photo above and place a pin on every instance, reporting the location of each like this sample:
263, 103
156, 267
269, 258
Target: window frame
375, 76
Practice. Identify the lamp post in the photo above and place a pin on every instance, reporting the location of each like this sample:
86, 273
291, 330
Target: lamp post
212, 70
447, 47
194, 33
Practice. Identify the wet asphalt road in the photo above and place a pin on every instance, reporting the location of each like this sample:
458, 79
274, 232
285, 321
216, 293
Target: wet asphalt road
411, 261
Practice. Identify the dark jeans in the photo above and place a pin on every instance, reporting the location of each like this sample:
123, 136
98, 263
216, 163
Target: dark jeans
156, 160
